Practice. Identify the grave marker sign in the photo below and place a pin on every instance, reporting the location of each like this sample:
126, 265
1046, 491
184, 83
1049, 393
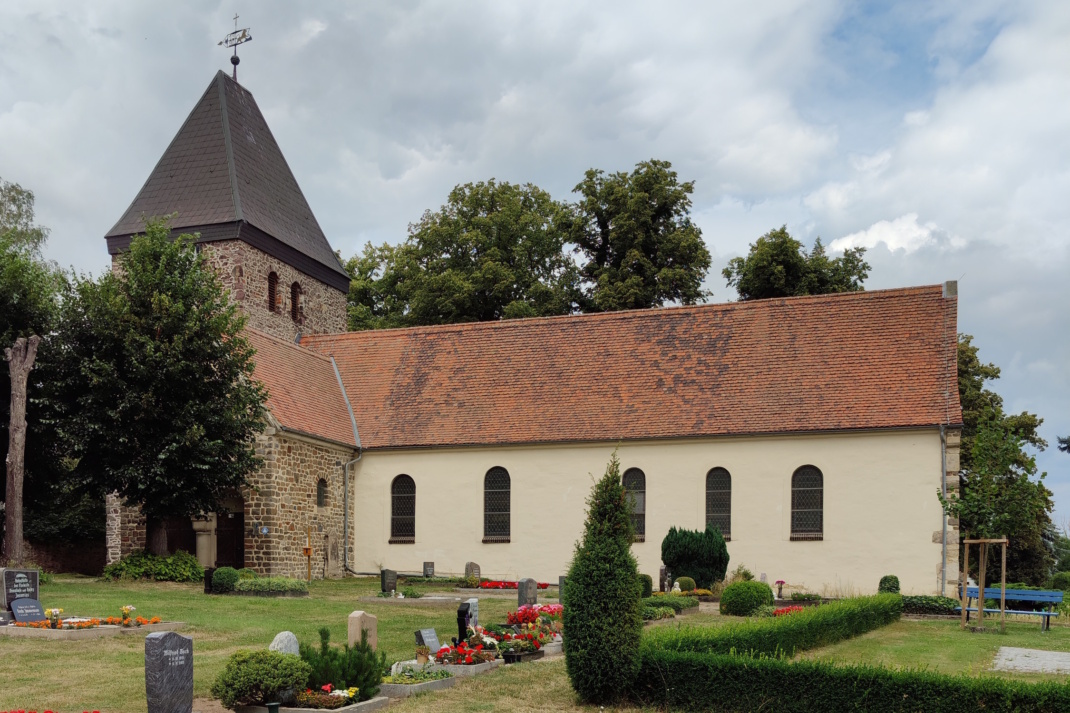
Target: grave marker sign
27, 610
429, 569
428, 638
169, 672
471, 569
527, 592
388, 579
20, 584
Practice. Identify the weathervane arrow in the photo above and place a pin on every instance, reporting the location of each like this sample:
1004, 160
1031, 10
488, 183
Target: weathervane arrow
233, 40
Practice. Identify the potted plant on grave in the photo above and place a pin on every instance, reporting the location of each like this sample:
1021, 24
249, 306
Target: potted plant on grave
423, 654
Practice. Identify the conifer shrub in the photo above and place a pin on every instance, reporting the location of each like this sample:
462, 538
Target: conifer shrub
699, 554
345, 666
602, 618
889, 584
744, 598
686, 584
648, 585
253, 678
224, 579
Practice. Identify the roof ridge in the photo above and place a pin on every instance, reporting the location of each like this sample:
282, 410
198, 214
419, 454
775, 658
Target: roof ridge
288, 343
644, 313
221, 85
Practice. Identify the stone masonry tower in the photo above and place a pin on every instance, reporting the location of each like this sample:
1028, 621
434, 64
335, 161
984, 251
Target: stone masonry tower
227, 181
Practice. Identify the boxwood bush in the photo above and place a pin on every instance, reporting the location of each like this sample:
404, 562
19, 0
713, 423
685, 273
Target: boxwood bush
929, 605
675, 602
269, 585
179, 567
686, 584
744, 598
889, 584
685, 680
224, 579
785, 635
258, 677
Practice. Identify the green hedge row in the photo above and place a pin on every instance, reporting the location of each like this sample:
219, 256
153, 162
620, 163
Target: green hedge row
673, 601
783, 635
715, 682
271, 585
929, 605
179, 567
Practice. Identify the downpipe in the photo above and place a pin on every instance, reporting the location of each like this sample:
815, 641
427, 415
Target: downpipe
943, 515
345, 514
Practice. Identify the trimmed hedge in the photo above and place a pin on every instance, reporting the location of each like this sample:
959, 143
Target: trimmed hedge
686, 584
257, 677
785, 635
648, 585
929, 605
224, 580
674, 601
270, 585
179, 567
717, 682
744, 598
889, 584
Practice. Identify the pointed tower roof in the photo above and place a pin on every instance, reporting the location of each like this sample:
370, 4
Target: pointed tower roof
227, 179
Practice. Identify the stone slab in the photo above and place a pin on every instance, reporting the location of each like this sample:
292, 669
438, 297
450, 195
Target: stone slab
80, 634
377, 703
404, 690
1012, 658
19, 584
27, 610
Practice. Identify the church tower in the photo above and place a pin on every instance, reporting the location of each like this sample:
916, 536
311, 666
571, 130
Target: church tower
226, 178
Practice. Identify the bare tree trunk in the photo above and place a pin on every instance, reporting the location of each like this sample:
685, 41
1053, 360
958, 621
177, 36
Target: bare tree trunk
156, 536
20, 360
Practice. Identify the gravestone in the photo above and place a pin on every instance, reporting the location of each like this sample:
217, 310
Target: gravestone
428, 638
25, 610
664, 579
285, 642
762, 579
462, 622
168, 672
471, 569
473, 612
388, 579
527, 592
20, 584
5, 617
363, 621
561, 586
429, 569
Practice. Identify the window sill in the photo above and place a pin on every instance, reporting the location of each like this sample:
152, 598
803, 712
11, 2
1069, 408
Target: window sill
401, 541
495, 540
639, 538
807, 537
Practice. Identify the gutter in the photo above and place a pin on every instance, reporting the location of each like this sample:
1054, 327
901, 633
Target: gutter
346, 471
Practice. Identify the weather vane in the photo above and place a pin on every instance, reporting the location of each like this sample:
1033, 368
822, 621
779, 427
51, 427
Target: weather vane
233, 40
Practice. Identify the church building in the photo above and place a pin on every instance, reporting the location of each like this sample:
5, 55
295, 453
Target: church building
814, 432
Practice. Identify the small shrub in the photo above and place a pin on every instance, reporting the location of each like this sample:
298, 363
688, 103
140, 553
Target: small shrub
929, 605
648, 585
765, 611
741, 574
346, 666
655, 613
744, 597
269, 585
224, 579
411, 593
889, 584
257, 677
602, 614
246, 573
701, 592
179, 567
686, 584
700, 555
676, 602
805, 597
470, 582
1061, 580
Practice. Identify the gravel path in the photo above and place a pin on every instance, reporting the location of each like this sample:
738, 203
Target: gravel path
1011, 658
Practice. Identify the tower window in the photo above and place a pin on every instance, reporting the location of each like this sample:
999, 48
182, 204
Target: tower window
296, 310
273, 292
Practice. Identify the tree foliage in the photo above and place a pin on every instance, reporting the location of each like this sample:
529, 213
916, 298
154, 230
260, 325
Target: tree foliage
149, 381
778, 266
602, 618
17, 224
636, 237
699, 554
494, 251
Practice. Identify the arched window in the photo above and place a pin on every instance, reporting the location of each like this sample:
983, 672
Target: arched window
321, 493
634, 482
402, 510
296, 309
807, 504
496, 505
719, 501
273, 292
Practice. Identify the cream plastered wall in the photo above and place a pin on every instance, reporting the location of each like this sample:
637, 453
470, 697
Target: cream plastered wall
881, 513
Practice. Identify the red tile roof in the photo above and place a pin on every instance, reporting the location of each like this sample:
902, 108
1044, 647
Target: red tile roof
866, 360
303, 391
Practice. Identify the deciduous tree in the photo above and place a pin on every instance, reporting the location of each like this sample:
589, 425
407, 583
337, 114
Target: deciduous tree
778, 266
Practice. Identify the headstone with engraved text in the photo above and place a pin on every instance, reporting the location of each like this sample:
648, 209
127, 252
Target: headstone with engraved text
471, 569
19, 584
473, 612
26, 610
168, 672
360, 621
428, 638
388, 579
527, 592
429, 569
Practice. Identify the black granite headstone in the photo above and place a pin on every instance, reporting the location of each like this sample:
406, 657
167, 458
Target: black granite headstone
428, 638
27, 610
560, 586
20, 584
5, 618
471, 569
462, 621
527, 592
429, 569
388, 579
169, 672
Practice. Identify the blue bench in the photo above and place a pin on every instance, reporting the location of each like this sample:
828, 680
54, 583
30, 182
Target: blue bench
1051, 598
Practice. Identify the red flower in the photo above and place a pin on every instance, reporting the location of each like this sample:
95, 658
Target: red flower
327, 687
468, 658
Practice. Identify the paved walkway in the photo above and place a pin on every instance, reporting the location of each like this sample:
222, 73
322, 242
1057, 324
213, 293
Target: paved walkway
1010, 658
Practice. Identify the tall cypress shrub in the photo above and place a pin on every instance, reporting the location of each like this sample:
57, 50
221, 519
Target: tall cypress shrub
702, 556
602, 618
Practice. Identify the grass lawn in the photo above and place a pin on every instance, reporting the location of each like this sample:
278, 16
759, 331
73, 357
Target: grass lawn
108, 674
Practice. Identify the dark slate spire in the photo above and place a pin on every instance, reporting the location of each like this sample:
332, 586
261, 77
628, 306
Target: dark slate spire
227, 179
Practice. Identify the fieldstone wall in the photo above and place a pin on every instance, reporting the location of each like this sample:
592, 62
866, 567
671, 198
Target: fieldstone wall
283, 499
124, 530
244, 271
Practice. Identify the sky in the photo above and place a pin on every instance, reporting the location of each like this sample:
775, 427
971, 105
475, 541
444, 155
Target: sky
933, 134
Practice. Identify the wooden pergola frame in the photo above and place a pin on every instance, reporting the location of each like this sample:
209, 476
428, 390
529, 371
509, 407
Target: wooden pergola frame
983, 544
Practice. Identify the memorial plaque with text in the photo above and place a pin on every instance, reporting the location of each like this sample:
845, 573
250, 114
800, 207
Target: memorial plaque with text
429, 569
27, 610
20, 584
428, 638
168, 672
527, 592
388, 580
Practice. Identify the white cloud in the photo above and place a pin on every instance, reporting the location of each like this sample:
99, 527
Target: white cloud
902, 233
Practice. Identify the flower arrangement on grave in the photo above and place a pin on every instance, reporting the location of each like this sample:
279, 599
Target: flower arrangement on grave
520, 643
127, 610
327, 697
504, 584
544, 620
780, 588
53, 617
464, 655
782, 611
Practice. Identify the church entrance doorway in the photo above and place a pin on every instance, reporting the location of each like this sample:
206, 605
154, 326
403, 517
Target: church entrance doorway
230, 533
